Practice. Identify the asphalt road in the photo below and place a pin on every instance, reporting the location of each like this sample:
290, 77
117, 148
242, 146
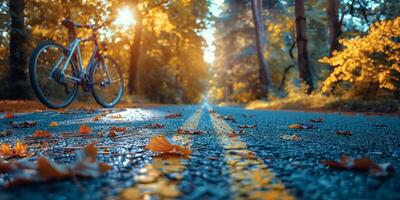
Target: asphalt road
226, 163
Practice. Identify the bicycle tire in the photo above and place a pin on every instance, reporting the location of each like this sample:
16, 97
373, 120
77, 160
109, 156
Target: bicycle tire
34, 79
96, 94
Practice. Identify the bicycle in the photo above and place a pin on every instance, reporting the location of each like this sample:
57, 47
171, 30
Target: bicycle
55, 71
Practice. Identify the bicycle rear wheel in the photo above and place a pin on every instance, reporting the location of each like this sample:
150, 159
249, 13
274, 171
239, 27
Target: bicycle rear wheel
107, 93
46, 79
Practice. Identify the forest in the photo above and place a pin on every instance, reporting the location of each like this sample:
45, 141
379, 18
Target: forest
271, 53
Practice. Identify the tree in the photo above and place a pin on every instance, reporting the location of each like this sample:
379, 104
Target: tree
368, 64
334, 25
264, 74
301, 39
135, 50
17, 53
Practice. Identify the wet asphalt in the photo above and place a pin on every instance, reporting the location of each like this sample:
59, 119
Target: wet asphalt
295, 163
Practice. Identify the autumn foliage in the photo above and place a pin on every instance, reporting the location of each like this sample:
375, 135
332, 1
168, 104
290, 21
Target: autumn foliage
367, 64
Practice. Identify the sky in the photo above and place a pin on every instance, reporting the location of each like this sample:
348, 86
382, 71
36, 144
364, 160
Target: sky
208, 34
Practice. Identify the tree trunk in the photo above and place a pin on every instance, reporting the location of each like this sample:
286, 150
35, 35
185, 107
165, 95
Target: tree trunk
17, 50
264, 74
301, 40
334, 25
135, 51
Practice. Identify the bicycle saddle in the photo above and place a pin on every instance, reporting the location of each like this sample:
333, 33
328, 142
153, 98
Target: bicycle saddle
72, 25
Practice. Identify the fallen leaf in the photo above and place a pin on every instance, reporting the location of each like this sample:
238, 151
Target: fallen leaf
85, 129
301, 126
5, 133
247, 126
96, 118
118, 129
161, 145
317, 120
379, 125
232, 134
189, 132
154, 126
45, 170
20, 150
112, 134
293, 137
25, 124
53, 124
230, 118
117, 116
363, 164
344, 133
173, 115
42, 134
8, 115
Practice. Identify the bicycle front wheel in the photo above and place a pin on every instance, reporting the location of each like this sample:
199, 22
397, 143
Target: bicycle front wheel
47, 80
107, 83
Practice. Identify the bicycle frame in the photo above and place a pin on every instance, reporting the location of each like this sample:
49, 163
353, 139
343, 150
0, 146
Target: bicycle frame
75, 57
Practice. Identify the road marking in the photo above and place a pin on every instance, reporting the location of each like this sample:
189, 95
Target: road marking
249, 176
151, 180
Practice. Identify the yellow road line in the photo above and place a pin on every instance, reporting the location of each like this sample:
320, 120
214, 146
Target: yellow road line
249, 176
151, 181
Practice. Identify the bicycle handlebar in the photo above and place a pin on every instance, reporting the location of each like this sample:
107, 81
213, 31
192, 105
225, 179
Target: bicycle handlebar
71, 25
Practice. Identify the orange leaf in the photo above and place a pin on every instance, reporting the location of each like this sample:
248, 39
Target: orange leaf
112, 134
9, 115
85, 129
20, 149
42, 134
96, 118
6, 150
53, 124
47, 170
161, 145
118, 129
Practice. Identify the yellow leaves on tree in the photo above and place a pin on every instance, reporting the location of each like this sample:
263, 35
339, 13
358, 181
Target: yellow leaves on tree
161, 145
20, 150
367, 63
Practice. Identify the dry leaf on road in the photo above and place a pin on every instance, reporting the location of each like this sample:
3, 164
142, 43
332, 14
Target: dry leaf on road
344, 133
25, 124
363, 164
42, 134
160, 144
5, 133
8, 115
154, 126
173, 115
247, 126
293, 137
24, 172
53, 124
20, 150
189, 132
301, 126
85, 129
317, 120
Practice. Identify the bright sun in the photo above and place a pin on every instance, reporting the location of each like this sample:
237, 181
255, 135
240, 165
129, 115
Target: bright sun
125, 18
